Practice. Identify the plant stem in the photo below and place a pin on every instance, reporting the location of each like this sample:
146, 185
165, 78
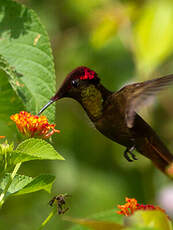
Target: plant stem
12, 175
52, 213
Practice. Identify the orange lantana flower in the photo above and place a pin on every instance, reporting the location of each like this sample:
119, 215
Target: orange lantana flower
132, 205
33, 126
2, 137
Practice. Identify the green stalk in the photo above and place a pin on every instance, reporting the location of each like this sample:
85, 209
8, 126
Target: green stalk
13, 174
52, 213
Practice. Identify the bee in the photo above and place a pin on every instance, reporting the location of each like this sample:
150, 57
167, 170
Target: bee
60, 202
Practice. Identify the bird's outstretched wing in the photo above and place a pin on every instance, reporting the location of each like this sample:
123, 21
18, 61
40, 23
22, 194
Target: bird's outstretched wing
139, 94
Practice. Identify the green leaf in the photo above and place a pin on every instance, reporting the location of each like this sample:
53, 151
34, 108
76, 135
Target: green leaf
35, 149
151, 218
95, 224
18, 183
43, 182
25, 45
24, 184
9, 102
108, 219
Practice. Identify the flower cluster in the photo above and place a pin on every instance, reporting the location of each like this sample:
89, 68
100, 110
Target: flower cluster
33, 126
132, 205
1, 137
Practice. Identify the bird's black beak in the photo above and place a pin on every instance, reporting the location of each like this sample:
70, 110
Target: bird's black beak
56, 97
62, 92
45, 107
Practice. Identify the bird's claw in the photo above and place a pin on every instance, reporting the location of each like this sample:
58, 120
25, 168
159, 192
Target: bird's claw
130, 151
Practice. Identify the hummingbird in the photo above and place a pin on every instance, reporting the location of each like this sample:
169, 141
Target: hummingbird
114, 113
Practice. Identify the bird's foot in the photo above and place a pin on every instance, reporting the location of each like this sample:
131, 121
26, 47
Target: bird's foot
130, 151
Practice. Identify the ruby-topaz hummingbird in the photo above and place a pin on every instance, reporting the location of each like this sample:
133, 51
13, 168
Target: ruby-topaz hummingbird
114, 113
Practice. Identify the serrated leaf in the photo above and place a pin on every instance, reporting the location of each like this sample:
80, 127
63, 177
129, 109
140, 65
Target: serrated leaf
18, 183
43, 182
35, 149
9, 102
25, 45
22, 184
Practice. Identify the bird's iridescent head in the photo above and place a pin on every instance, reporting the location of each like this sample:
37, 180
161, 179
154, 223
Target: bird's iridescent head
79, 78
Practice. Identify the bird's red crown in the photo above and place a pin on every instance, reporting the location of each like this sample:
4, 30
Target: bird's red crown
83, 73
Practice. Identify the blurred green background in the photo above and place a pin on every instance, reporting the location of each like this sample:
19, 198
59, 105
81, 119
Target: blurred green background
123, 41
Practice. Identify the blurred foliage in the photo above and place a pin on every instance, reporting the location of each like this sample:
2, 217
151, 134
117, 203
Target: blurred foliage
122, 41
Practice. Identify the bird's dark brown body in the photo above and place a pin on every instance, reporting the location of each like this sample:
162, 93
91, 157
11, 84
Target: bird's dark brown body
141, 136
113, 114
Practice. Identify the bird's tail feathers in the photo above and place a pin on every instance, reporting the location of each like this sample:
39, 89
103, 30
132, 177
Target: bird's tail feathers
153, 148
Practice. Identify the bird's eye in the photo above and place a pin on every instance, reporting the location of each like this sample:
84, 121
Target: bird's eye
75, 83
